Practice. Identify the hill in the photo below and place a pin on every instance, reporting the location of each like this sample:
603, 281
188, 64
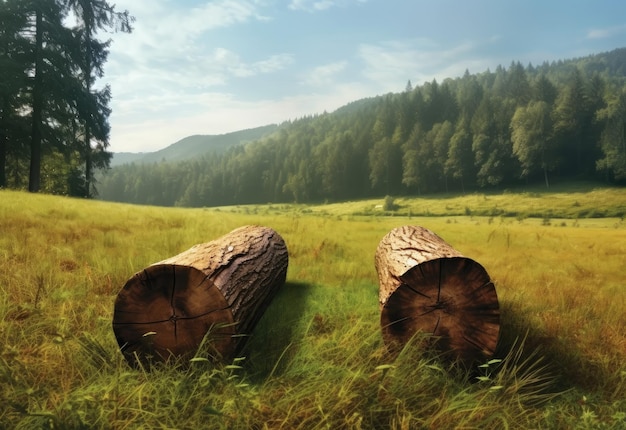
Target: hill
194, 146
517, 125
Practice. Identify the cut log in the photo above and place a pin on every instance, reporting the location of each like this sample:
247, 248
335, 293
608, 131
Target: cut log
215, 291
429, 287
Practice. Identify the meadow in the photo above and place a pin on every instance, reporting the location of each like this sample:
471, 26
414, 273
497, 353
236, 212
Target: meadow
316, 360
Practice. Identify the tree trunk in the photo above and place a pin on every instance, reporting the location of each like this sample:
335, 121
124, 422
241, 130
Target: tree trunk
34, 179
87, 161
427, 286
87, 71
4, 143
218, 289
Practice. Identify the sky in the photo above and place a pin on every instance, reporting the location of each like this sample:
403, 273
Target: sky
213, 67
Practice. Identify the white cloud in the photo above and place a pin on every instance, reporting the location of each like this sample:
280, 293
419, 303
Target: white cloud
175, 40
168, 83
320, 5
164, 33
166, 68
230, 63
324, 75
221, 13
271, 64
311, 5
605, 33
391, 64
144, 92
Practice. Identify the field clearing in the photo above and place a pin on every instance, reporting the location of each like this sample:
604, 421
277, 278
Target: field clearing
575, 201
316, 360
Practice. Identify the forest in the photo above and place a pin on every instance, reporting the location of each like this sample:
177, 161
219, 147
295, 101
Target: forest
54, 128
495, 129
513, 126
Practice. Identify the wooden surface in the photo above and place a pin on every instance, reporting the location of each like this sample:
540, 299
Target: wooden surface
427, 286
221, 288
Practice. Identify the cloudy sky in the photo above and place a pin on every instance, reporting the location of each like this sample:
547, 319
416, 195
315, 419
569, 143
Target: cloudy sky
213, 67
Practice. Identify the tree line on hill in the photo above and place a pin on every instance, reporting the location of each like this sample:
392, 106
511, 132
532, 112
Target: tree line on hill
494, 129
54, 126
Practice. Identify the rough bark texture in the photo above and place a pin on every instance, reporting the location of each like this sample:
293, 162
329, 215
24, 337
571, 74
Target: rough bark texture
427, 286
219, 289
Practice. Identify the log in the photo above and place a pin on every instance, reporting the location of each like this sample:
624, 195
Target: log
429, 287
216, 291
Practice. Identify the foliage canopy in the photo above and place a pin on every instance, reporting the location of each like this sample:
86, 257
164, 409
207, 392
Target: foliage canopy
54, 126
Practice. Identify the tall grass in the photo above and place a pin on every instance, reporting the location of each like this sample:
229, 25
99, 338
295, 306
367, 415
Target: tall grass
316, 359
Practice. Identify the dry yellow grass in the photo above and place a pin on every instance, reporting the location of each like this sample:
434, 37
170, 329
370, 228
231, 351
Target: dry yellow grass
316, 360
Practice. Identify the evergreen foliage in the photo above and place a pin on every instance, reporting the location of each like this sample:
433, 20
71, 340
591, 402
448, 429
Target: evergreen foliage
493, 129
50, 115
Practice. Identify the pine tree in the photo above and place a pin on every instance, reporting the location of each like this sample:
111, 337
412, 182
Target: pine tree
613, 139
51, 16
53, 83
93, 16
531, 128
571, 115
13, 52
459, 163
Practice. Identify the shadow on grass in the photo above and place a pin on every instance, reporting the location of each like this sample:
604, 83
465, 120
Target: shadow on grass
273, 342
570, 369
277, 338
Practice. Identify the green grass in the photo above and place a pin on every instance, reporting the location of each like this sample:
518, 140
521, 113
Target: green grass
577, 200
316, 359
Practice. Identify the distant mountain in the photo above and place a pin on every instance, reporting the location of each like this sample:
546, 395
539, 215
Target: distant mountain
194, 146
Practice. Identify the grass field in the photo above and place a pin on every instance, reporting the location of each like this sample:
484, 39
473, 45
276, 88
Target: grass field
316, 359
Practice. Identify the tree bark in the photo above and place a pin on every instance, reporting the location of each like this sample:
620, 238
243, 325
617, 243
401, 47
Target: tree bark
34, 178
87, 71
427, 286
4, 144
216, 291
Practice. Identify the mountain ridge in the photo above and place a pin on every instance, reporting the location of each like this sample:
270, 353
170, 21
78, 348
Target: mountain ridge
198, 145
194, 145
464, 134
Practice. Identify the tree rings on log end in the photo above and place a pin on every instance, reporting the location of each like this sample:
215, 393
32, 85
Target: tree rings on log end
453, 300
166, 311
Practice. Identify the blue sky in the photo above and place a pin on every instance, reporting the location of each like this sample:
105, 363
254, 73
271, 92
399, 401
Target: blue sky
212, 67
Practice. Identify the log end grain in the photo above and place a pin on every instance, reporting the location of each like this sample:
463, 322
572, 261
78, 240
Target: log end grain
165, 311
450, 298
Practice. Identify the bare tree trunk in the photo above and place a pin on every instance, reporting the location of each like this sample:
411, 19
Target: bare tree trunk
88, 31
4, 144
34, 179
218, 290
427, 286
88, 163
